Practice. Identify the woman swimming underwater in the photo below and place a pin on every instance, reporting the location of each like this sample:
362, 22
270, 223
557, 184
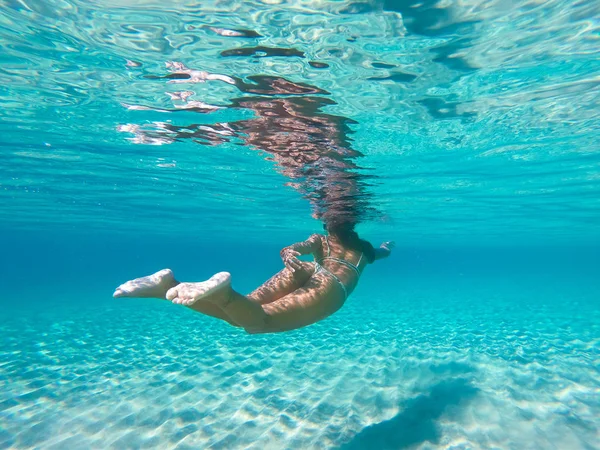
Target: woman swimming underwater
301, 294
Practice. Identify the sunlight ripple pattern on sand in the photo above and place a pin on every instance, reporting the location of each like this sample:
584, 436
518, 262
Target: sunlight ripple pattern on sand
501, 369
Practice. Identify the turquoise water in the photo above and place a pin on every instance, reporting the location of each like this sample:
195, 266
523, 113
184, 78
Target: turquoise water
205, 136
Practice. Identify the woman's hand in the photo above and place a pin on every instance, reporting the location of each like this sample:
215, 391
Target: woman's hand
384, 250
388, 245
289, 257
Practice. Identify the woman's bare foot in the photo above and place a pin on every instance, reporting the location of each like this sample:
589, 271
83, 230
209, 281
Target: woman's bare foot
155, 285
189, 293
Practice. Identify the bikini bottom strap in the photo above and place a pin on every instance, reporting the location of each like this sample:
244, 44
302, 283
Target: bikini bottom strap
320, 268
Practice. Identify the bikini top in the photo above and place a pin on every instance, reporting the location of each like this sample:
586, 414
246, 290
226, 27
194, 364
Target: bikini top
339, 260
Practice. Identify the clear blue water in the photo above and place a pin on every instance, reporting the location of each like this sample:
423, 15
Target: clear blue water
205, 136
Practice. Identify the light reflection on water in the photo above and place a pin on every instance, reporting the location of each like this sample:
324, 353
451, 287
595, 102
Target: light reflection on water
475, 120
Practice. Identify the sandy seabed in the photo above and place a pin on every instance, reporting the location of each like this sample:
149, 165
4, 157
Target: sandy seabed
459, 365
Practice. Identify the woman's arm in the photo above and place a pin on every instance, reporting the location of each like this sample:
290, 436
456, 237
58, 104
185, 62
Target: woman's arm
311, 245
289, 254
384, 250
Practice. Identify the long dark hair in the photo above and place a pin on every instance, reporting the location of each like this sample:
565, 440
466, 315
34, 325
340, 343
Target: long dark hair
349, 238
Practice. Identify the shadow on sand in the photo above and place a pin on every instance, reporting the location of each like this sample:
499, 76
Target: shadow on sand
417, 421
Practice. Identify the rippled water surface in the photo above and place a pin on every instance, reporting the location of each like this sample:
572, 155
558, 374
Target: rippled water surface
205, 136
471, 120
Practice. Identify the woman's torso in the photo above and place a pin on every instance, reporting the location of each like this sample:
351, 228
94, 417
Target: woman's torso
344, 263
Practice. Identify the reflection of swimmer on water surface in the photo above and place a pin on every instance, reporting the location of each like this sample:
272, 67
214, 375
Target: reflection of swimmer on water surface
311, 148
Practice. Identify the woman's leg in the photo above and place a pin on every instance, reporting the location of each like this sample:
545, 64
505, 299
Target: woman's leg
282, 283
157, 285
307, 305
317, 299
152, 286
212, 310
